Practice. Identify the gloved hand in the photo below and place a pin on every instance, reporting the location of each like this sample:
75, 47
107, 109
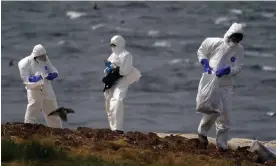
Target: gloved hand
35, 78
107, 64
206, 66
52, 76
223, 71
108, 70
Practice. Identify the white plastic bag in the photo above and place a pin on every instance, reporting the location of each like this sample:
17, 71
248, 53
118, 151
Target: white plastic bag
208, 97
266, 153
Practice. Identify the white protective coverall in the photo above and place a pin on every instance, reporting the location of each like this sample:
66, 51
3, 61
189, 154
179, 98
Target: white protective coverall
220, 53
115, 95
41, 96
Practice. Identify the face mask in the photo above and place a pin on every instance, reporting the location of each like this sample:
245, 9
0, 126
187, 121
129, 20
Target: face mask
231, 44
116, 50
41, 60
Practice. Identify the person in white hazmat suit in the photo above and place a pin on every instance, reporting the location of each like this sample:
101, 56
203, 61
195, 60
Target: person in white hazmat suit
37, 72
114, 96
224, 56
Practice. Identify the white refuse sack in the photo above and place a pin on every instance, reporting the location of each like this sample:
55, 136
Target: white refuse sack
266, 153
208, 98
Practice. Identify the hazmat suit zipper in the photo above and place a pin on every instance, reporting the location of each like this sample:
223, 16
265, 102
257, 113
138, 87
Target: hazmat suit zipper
41, 86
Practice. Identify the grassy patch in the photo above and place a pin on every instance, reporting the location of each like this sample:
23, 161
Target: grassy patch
32, 153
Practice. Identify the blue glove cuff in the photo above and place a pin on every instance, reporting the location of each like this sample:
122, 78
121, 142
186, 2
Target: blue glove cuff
34, 78
52, 76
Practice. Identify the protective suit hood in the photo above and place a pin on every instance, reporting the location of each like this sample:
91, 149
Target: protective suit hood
38, 50
120, 43
234, 28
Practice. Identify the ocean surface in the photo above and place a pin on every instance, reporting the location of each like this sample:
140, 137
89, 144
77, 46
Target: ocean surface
163, 38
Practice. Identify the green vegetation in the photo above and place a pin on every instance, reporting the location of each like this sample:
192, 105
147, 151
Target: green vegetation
33, 153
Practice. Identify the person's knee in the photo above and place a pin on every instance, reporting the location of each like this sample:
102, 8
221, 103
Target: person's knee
107, 96
118, 97
49, 106
119, 93
223, 127
33, 110
34, 105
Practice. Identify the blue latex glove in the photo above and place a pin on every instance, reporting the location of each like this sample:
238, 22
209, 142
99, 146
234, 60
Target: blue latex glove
223, 71
206, 66
108, 70
107, 64
34, 78
52, 76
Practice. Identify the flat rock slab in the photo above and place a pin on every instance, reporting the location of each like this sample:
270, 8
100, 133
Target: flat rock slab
233, 143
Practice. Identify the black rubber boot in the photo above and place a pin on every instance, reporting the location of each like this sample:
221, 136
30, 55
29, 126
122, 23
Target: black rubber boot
220, 149
119, 131
203, 141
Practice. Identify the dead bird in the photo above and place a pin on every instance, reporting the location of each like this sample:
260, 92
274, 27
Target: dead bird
111, 78
62, 113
